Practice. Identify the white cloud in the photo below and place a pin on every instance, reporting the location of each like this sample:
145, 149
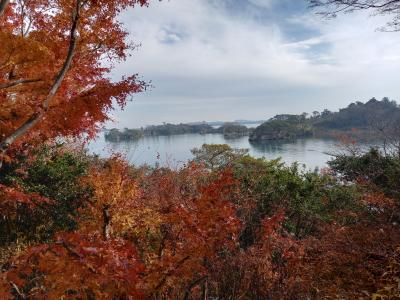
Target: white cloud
262, 3
193, 50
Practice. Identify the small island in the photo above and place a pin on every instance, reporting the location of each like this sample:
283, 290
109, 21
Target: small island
233, 130
229, 130
283, 127
115, 135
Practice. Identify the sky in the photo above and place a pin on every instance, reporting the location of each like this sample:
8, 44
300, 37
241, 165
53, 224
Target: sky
224, 60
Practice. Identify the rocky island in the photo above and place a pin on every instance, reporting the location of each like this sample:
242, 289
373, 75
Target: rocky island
282, 127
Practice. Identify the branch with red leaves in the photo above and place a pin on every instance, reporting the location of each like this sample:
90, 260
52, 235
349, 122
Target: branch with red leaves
33, 120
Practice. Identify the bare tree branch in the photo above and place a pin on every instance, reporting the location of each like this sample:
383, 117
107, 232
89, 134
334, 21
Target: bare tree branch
357, 4
192, 285
34, 119
330, 8
3, 6
17, 82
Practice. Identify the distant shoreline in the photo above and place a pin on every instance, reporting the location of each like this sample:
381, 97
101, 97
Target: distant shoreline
229, 130
359, 121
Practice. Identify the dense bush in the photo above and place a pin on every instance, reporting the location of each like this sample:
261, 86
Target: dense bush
308, 197
372, 166
51, 192
224, 226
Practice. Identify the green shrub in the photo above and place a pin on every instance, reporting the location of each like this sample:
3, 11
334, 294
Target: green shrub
53, 174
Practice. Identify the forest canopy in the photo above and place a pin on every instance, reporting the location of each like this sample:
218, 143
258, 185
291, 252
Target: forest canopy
372, 120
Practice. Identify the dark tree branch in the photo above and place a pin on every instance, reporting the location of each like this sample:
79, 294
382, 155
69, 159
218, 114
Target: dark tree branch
192, 285
106, 222
330, 8
3, 6
169, 272
17, 82
357, 4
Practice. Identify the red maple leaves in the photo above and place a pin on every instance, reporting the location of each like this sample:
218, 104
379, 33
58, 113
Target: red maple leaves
77, 266
54, 64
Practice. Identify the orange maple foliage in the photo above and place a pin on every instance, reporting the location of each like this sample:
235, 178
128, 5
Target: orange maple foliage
197, 226
77, 267
271, 268
54, 59
173, 234
348, 262
180, 221
114, 207
11, 197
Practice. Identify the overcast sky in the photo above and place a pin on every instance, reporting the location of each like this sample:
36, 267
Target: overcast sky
251, 59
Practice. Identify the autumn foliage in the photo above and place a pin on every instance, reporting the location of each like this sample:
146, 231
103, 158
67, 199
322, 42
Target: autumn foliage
55, 57
180, 234
75, 266
223, 226
154, 236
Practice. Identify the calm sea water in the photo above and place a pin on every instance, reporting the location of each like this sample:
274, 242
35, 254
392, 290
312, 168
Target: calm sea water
173, 151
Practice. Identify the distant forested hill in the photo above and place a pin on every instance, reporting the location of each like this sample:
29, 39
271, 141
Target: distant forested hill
370, 119
369, 115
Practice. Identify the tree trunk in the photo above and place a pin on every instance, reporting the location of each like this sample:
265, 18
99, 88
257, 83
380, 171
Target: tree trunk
35, 118
204, 290
106, 222
3, 6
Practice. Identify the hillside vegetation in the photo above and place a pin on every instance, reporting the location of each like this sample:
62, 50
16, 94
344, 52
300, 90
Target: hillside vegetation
283, 127
372, 119
226, 224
